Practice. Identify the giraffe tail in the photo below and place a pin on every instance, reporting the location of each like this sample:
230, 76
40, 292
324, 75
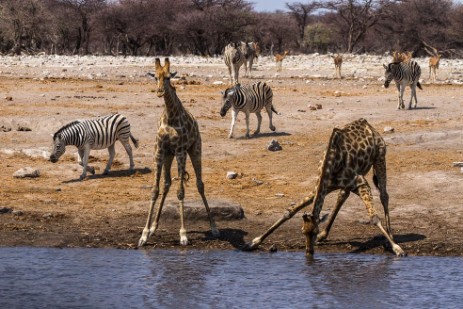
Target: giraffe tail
375, 179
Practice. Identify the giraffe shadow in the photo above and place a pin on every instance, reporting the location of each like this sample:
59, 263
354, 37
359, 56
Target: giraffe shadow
378, 241
113, 174
234, 237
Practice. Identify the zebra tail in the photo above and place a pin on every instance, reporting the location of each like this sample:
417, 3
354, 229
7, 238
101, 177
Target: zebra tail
419, 85
134, 140
274, 110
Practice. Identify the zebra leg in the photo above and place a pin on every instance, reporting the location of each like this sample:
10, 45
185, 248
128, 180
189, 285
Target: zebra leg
181, 162
401, 89
112, 152
90, 169
128, 149
247, 124
234, 115
413, 91
230, 74
270, 115
85, 162
259, 121
195, 157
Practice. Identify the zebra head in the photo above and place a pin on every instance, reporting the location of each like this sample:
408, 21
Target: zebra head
59, 147
228, 96
163, 75
389, 73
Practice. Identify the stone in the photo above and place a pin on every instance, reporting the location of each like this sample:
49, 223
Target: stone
232, 175
26, 172
274, 145
388, 130
5, 210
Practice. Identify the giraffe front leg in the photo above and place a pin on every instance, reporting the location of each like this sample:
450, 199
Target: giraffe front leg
342, 197
364, 191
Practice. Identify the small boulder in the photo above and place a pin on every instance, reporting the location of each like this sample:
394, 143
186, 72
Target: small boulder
27, 172
388, 130
274, 145
232, 175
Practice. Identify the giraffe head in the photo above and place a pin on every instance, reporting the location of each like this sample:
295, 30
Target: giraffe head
310, 230
163, 75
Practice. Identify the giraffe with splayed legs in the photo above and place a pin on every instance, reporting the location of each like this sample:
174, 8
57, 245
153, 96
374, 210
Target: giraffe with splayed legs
178, 136
352, 151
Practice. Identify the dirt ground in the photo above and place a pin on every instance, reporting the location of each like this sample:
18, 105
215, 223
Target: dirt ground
58, 210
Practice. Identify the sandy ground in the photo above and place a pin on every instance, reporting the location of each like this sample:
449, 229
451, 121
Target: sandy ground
58, 210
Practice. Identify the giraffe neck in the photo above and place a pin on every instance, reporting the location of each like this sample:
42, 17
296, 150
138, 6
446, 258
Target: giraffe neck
174, 106
325, 174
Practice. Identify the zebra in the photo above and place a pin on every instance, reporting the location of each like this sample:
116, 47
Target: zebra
403, 73
234, 57
248, 99
97, 133
251, 51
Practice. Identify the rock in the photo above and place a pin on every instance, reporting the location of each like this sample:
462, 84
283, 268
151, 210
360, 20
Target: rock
274, 146
318, 106
218, 82
26, 172
4, 128
388, 130
18, 213
232, 175
311, 107
195, 210
337, 93
8, 98
280, 195
5, 210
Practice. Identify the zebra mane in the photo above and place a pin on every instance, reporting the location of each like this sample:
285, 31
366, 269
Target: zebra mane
65, 127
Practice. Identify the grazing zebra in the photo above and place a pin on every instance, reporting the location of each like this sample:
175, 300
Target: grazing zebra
251, 51
403, 73
94, 134
248, 99
234, 57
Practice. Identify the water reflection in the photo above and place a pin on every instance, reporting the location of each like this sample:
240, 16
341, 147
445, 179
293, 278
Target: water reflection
110, 278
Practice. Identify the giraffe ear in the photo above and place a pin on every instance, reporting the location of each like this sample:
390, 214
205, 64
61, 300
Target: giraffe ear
166, 65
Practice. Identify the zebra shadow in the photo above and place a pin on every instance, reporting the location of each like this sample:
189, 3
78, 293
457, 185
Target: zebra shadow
113, 174
424, 107
264, 135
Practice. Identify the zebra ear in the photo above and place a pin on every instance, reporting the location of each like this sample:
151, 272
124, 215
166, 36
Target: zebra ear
172, 75
384, 66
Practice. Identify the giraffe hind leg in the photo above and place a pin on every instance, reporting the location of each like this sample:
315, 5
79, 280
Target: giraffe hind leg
195, 156
364, 192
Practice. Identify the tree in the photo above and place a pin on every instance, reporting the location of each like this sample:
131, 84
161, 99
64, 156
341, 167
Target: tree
300, 12
356, 17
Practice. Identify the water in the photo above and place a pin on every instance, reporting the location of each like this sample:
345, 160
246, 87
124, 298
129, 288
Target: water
111, 278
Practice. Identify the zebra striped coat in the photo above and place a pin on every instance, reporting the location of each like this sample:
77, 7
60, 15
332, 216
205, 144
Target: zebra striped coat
404, 74
94, 134
248, 99
234, 57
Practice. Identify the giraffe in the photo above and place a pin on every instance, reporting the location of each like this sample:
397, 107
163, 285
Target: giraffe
279, 59
337, 65
352, 151
178, 135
